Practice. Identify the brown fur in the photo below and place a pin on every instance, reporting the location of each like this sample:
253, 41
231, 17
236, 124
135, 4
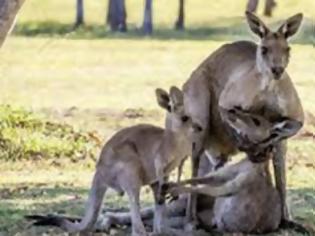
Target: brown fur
245, 198
252, 78
238, 198
137, 156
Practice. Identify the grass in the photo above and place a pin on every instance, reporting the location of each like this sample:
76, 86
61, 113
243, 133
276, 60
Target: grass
92, 81
27, 137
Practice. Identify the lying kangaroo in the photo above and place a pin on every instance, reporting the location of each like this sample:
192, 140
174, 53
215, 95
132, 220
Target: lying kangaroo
250, 77
246, 201
245, 198
136, 156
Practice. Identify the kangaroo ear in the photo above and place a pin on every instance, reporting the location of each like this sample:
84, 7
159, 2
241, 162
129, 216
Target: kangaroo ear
176, 95
163, 99
256, 25
291, 25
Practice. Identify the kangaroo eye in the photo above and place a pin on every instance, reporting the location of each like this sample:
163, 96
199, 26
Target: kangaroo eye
185, 118
256, 121
288, 49
264, 50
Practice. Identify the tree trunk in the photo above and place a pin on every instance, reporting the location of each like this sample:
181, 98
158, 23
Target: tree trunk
147, 18
116, 15
79, 20
8, 11
269, 6
180, 22
252, 5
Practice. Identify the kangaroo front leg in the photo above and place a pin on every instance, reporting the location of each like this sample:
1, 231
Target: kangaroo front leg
280, 176
229, 188
213, 178
191, 211
159, 198
197, 100
160, 180
180, 169
159, 209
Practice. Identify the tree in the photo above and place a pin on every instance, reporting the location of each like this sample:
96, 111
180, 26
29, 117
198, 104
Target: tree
180, 22
8, 11
269, 6
79, 20
252, 5
147, 25
116, 15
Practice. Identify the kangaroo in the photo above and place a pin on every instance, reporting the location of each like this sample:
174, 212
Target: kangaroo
245, 198
137, 156
241, 196
252, 78
237, 198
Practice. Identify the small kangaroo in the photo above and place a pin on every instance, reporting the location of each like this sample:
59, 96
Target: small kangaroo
251, 77
137, 156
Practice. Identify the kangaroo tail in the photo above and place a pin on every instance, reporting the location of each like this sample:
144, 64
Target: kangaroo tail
297, 227
92, 209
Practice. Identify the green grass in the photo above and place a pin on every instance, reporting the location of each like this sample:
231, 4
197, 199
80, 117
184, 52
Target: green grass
92, 81
24, 136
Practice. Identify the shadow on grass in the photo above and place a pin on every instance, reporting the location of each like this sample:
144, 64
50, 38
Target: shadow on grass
22, 201
219, 29
302, 204
66, 200
70, 201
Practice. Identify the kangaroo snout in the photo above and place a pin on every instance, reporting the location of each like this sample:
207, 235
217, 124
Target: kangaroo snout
277, 72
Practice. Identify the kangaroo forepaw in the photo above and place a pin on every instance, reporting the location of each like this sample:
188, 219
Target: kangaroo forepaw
166, 186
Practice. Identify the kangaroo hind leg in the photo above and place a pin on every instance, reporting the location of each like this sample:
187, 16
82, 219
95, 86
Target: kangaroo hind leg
131, 182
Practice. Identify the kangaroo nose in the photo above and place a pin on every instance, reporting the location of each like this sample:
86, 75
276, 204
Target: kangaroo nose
277, 72
197, 128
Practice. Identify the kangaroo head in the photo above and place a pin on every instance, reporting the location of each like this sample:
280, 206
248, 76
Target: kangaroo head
273, 52
255, 128
173, 103
249, 131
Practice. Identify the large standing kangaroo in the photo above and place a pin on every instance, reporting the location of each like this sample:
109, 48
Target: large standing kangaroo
251, 78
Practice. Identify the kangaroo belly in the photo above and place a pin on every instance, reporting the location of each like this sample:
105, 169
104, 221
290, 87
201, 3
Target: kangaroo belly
235, 213
249, 211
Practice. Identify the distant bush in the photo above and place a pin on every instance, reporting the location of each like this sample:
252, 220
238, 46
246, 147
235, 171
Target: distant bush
26, 136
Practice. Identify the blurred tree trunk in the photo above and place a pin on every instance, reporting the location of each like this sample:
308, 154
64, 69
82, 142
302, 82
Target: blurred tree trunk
79, 20
116, 15
180, 22
8, 11
252, 5
147, 18
269, 6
